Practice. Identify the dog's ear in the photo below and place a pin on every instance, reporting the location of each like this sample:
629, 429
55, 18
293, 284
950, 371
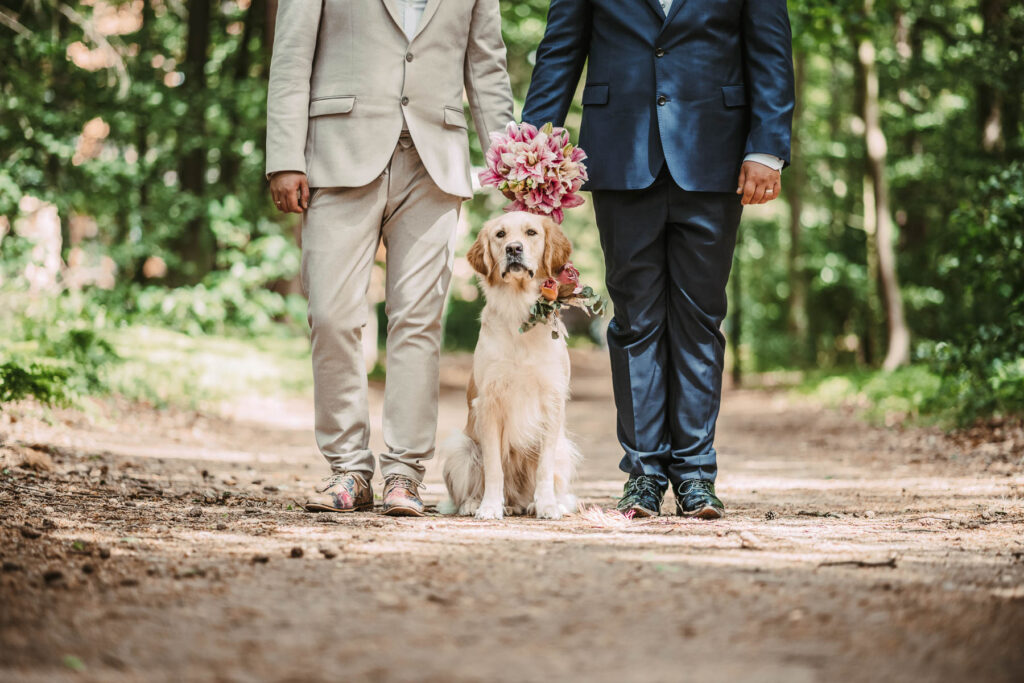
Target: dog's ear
479, 255
557, 247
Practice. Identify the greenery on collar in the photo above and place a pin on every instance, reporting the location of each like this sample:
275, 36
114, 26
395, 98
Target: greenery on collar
545, 311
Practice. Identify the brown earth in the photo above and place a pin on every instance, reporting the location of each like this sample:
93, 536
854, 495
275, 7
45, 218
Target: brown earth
160, 545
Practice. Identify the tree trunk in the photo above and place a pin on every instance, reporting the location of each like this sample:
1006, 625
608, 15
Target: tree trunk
736, 318
269, 26
877, 216
797, 318
875, 318
232, 159
195, 247
990, 100
55, 173
140, 71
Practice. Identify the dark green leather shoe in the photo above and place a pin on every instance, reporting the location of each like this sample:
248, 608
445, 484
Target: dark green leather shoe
642, 496
696, 498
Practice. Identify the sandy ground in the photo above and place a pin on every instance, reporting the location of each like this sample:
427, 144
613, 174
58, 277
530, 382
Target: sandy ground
142, 545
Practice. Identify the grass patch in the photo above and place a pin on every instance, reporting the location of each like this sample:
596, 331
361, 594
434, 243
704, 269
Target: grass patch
157, 366
164, 367
910, 393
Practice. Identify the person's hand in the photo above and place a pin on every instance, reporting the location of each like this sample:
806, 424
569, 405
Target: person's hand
290, 191
758, 183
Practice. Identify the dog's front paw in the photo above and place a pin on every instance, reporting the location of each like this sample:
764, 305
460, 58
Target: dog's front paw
567, 503
469, 508
547, 509
489, 510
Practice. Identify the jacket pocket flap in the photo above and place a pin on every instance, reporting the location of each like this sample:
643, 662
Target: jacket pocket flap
596, 94
734, 95
331, 105
454, 116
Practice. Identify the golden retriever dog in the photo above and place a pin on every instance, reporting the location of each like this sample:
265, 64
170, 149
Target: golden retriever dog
514, 454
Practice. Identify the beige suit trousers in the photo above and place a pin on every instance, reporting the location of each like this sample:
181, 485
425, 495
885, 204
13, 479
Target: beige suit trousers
340, 234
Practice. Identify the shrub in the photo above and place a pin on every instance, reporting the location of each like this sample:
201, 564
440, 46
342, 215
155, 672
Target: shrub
57, 340
20, 379
982, 362
908, 392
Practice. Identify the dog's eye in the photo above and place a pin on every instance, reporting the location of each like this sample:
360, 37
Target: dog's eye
531, 232
501, 233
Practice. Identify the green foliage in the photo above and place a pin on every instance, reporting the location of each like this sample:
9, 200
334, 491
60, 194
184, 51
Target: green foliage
910, 392
985, 253
155, 105
977, 370
982, 360
88, 353
171, 175
982, 377
951, 103
59, 349
239, 294
65, 338
72, 662
167, 368
542, 311
21, 379
462, 324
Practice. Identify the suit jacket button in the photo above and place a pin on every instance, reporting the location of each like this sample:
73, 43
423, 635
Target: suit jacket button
659, 52
662, 100
405, 101
408, 57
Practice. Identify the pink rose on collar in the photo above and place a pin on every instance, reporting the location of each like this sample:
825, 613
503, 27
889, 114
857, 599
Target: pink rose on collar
568, 275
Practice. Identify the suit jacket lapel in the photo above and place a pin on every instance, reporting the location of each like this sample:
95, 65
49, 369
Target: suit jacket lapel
673, 11
428, 13
393, 11
656, 6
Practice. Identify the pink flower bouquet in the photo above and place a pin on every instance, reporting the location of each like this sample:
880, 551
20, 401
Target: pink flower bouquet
539, 170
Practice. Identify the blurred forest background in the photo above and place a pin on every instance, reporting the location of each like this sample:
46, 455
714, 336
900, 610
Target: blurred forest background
139, 246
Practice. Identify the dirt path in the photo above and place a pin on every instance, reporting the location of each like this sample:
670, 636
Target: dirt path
161, 546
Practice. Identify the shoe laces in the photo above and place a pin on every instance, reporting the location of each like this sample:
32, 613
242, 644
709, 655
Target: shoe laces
642, 484
700, 485
394, 480
340, 478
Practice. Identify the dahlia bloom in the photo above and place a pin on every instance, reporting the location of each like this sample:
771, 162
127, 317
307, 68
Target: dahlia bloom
539, 170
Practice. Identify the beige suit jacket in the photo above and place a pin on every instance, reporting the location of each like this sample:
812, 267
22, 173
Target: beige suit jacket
343, 73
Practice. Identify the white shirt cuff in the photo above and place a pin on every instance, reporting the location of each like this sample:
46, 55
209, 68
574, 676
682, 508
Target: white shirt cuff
769, 160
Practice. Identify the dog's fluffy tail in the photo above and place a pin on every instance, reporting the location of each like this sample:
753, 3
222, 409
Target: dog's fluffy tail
463, 474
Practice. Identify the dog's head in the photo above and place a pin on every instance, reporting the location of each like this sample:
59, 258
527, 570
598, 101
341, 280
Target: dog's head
519, 247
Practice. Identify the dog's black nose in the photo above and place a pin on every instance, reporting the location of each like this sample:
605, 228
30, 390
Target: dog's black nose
514, 249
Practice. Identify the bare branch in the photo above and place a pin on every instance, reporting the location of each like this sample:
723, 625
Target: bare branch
10, 22
124, 80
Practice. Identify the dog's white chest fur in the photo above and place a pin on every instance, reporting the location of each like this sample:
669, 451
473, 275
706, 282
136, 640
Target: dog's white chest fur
528, 370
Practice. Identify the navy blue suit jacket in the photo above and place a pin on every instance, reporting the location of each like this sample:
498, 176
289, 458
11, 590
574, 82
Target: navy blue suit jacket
698, 89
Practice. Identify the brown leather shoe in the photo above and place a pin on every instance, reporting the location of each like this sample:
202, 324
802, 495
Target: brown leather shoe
401, 498
345, 492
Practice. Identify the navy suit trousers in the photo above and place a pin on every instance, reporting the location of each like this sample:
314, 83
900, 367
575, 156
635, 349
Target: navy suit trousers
668, 253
